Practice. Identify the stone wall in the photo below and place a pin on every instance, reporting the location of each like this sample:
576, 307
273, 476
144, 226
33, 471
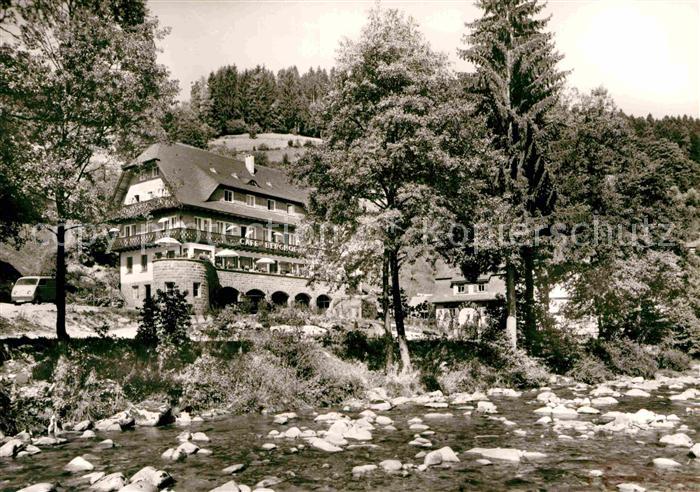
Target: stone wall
185, 273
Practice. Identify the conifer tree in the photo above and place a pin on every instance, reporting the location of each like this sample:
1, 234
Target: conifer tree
515, 87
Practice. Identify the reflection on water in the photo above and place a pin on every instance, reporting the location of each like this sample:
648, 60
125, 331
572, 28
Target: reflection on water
239, 439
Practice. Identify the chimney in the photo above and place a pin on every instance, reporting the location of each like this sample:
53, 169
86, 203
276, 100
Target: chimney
250, 163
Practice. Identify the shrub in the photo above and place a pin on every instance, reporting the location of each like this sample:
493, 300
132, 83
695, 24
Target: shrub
263, 146
590, 370
558, 349
147, 331
309, 143
165, 319
293, 316
624, 356
236, 126
673, 359
290, 143
253, 130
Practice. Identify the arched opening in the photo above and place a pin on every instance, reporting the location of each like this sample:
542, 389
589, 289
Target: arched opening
279, 298
302, 300
226, 296
255, 296
323, 302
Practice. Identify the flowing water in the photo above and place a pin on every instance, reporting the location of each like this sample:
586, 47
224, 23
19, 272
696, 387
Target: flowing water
238, 439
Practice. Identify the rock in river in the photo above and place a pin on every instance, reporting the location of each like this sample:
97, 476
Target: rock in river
323, 445
11, 448
39, 487
679, 439
362, 469
78, 464
665, 463
390, 465
110, 483
158, 478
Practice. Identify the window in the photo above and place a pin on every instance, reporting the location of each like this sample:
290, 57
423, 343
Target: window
290, 208
481, 287
244, 231
228, 195
135, 292
170, 287
170, 254
147, 288
462, 288
270, 204
128, 230
250, 200
202, 224
154, 172
129, 264
196, 291
144, 263
136, 199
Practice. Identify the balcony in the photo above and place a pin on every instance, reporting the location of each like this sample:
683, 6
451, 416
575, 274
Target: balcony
142, 209
147, 239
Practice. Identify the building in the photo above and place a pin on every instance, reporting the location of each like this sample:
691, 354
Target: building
459, 302
216, 227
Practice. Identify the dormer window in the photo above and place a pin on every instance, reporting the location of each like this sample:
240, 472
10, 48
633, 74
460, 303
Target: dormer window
154, 172
269, 184
271, 205
137, 199
250, 200
252, 182
212, 170
481, 287
228, 195
234, 175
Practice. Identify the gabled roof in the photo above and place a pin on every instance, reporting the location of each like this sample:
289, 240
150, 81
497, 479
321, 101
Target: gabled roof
194, 174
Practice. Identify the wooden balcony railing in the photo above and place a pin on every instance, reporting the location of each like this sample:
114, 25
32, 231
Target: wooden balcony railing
142, 209
203, 237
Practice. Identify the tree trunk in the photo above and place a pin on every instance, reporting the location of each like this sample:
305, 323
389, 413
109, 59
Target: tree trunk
61, 333
398, 313
511, 321
530, 314
389, 339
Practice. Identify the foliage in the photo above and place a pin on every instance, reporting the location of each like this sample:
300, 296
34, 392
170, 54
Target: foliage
557, 348
624, 356
675, 360
165, 319
182, 124
590, 370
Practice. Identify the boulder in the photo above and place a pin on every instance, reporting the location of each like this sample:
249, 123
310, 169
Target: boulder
230, 470
418, 427
665, 463
187, 448
40, 487
323, 445
93, 477
630, 487
88, 434
680, 439
506, 454
486, 407
588, 410
79, 464
106, 444
110, 483
230, 486
82, 426
433, 458
200, 437
11, 448
268, 446
603, 401
358, 434
390, 465
436, 415
637, 393
292, 433
152, 414
157, 478
362, 469
140, 486
329, 417
383, 420
695, 450
381, 406
448, 456
564, 413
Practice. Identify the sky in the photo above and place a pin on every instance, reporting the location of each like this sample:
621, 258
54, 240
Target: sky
645, 52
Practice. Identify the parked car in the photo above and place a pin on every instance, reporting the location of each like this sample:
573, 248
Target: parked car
34, 289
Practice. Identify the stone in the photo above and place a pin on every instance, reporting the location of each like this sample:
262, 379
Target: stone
433, 458
358, 434
174, 455
328, 417
383, 420
390, 465
30, 450
520, 432
483, 462
680, 439
544, 420
380, 407
157, 478
665, 463
547, 396
110, 483
39, 487
630, 487
438, 416
230, 470
280, 420
418, 427
230, 486
486, 407
368, 414
421, 442
139, 486
588, 410
152, 414
637, 393
200, 436
448, 456
695, 450
293, 433
505, 454
564, 413
79, 464
187, 448
603, 401
362, 469
88, 434
399, 400
82, 426
688, 394
11, 448
268, 446
324, 445
48, 441
93, 477
596, 473
544, 411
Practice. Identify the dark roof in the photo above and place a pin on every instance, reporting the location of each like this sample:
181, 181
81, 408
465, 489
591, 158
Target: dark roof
194, 174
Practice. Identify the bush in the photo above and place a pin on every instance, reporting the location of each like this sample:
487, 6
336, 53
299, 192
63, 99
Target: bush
558, 349
675, 360
165, 319
590, 370
253, 130
236, 126
263, 146
290, 143
624, 356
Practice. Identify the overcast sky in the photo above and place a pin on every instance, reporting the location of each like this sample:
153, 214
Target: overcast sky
645, 52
